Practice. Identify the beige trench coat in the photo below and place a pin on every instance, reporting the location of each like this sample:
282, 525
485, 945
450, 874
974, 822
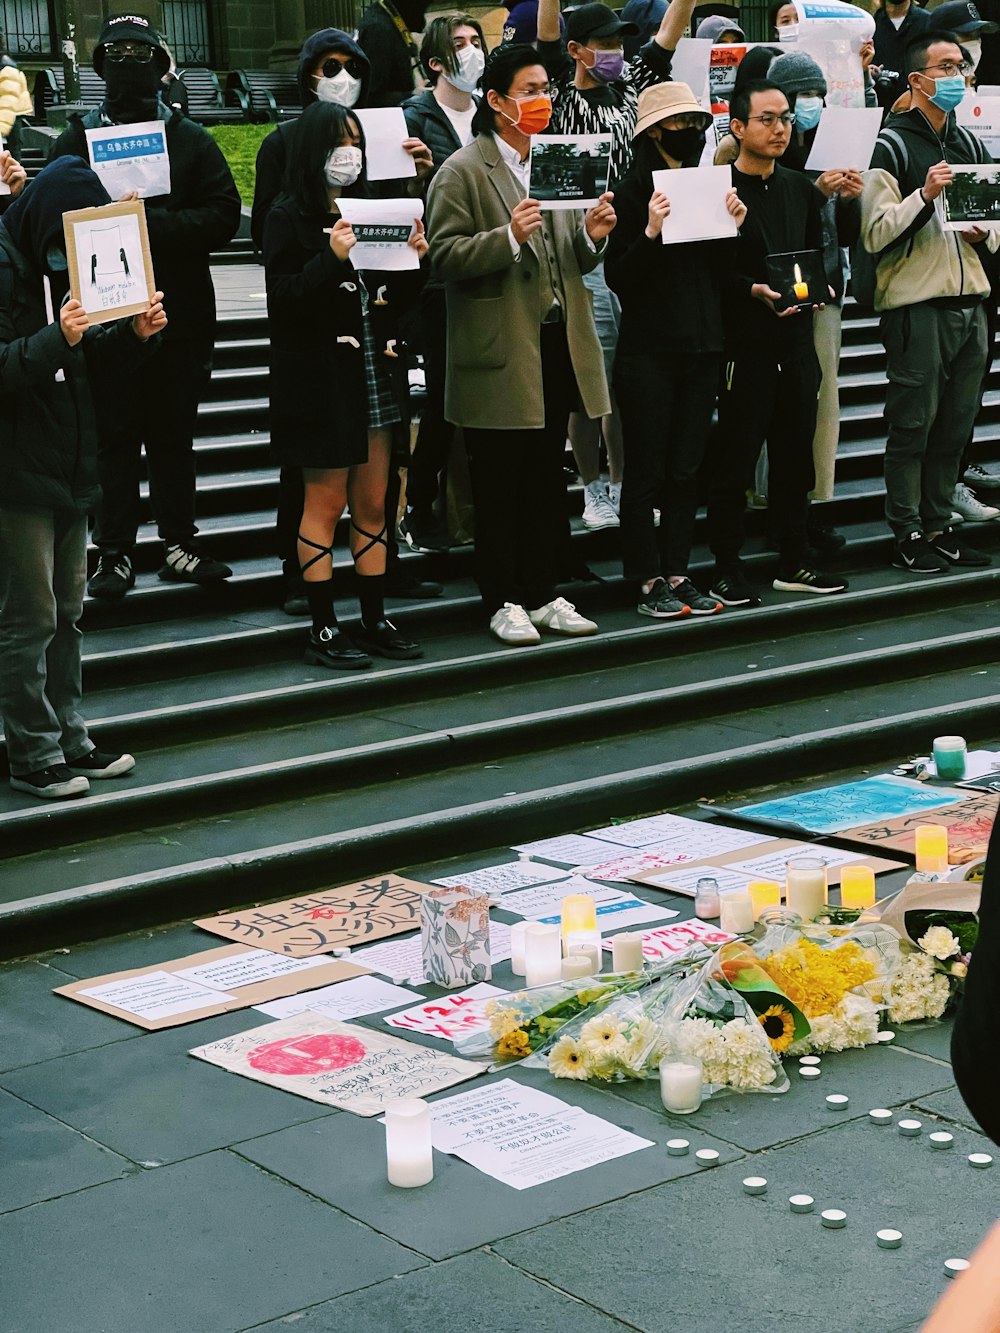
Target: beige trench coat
494, 379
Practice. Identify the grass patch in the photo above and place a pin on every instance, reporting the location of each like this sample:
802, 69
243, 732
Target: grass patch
239, 144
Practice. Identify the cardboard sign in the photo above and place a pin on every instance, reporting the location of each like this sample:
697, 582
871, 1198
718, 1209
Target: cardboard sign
203, 985
969, 824
337, 1063
764, 861
329, 919
110, 267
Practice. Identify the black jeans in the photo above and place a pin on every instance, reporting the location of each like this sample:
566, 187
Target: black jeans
519, 492
666, 400
155, 407
762, 398
430, 453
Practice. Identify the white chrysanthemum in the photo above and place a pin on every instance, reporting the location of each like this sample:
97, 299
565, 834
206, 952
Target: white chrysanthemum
748, 1060
939, 942
853, 1023
568, 1059
918, 990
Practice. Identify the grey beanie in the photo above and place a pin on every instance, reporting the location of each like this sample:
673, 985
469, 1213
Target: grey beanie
715, 25
797, 73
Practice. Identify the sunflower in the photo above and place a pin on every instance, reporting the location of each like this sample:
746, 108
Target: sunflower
778, 1025
514, 1045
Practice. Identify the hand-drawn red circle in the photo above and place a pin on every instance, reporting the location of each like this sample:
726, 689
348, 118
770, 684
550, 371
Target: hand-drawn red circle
315, 1053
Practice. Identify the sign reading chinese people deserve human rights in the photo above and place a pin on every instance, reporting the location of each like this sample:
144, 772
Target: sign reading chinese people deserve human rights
131, 158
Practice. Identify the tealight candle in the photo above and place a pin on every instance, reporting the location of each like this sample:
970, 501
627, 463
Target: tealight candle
755, 1185
736, 911
626, 952
885, 1036
857, 887
809, 1060
577, 912
809, 1071
911, 1128
949, 757
707, 1157
409, 1158
805, 886
517, 936
764, 893
931, 845
880, 1116
681, 1078
837, 1101
678, 1147
889, 1239
542, 954
952, 1267
833, 1218
941, 1141
980, 1160
576, 965
802, 1203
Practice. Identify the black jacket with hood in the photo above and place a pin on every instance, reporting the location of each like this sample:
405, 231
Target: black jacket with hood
427, 122
48, 432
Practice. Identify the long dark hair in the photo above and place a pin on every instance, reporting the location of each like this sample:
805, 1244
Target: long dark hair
320, 129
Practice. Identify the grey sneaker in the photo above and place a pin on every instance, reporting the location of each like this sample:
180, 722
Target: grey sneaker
660, 603
697, 602
978, 474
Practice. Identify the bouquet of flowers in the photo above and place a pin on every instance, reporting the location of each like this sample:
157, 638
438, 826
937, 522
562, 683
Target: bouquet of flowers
939, 924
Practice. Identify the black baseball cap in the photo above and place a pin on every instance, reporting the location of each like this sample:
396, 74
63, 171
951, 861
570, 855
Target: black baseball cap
596, 20
960, 17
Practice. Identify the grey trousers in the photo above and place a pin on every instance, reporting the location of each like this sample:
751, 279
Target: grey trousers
935, 363
43, 570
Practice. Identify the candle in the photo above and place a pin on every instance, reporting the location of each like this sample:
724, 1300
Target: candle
880, 1116
517, 934
577, 912
833, 1218
408, 1143
681, 1148
736, 911
801, 1203
764, 893
587, 943
576, 965
949, 757
542, 954
626, 952
805, 886
911, 1128
680, 1084
941, 1141
952, 1267
888, 1239
755, 1185
931, 844
857, 887
980, 1160
799, 286
706, 899
837, 1101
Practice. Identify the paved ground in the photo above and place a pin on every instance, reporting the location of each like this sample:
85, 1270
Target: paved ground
144, 1191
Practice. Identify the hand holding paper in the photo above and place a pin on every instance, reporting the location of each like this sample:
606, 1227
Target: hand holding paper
419, 240
74, 322
525, 219
144, 326
342, 239
735, 207
600, 220
659, 208
939, 176
421, 155
12, 174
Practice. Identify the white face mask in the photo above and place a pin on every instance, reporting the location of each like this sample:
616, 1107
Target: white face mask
471, 63
975, 49
343, 89
788, 32
343, 167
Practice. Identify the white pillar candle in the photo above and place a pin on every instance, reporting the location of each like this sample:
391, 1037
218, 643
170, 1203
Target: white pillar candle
408, 1143
583, 941
735, 911
626, 952
680, 1084
517, 947
542, 954
805, 886
575, 966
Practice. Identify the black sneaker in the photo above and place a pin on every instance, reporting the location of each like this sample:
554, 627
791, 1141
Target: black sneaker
55, 783
332, 648
915, 553
385, 639
660, 603
113, 576
398, 583
732, 589
696, 602
184, 565
977, 474
98, 764
808, 580
823, 539
949, 548
423, 532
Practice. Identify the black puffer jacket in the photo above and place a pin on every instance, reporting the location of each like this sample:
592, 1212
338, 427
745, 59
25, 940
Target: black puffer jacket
426, 120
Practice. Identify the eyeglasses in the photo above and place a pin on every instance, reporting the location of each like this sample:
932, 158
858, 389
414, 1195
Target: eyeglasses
770, 118
137, 51
949, 69
332, 67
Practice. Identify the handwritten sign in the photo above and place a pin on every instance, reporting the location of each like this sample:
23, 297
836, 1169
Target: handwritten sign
448, 1017
831, 809
969, 824
110, 268
668, 941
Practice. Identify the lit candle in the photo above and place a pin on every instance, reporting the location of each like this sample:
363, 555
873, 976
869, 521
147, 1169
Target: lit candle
857, 887
949, 757
542, 954
799, 286
931, 844
517, 935
763, 893
680, 1084
805, 886
577, 912
626, 952
735, 911
576, 965
408, 1143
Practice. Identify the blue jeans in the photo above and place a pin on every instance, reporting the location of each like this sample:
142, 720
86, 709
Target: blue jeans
43, 570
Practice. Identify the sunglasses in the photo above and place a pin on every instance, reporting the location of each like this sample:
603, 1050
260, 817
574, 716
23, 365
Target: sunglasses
332, 67
137, 51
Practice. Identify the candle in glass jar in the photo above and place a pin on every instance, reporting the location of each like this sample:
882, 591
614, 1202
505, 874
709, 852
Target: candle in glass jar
680, 1084
542, 954
735, 911
805, 886
857, 887
931, 845
949, 757
764, 893
626, 952
517, 947
577, 912
409, 1158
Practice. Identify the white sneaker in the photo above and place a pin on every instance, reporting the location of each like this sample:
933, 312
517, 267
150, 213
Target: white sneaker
615, 496
971, 509
598, 511
979, 474
561, 617
511, 625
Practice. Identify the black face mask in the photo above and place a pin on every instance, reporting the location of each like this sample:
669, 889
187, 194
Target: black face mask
131, 90
682, 144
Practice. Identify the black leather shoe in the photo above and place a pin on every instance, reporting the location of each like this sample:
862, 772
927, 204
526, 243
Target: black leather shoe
385, 639
398, 583
331, 648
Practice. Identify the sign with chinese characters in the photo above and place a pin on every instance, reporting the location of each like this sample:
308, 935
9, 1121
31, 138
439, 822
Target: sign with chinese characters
131, 158
328, 919
969, 824
448, 1017
110, 267
668, 941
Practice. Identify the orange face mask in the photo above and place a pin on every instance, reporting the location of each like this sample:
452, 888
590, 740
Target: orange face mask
533, 113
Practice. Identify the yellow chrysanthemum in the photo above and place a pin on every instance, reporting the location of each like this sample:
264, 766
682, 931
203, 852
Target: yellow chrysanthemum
817, 979
779, 1027
514, 1046
504, 1021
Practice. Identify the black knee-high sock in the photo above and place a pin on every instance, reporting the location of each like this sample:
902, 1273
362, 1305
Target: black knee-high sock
319, 595
371, 595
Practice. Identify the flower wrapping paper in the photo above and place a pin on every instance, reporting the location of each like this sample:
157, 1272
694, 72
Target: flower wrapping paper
455, 936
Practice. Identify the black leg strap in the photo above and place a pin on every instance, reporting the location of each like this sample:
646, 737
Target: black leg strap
375, 539
323, 550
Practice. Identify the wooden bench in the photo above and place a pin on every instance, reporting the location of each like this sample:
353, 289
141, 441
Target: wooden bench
50, 88
271, 97
206, 102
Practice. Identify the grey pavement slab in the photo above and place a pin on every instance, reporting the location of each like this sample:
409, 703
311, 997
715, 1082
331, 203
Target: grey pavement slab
932, 1039
143, 948
207, 1246
38, 1025
677, 1257
451, 1297
342, 1159
152, 1102
40, 1158
950, 1105
870, 1077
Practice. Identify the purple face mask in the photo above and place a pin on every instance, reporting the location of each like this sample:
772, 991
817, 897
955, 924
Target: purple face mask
607, 66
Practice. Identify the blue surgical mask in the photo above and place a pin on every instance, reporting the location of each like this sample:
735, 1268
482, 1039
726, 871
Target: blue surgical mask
807, 112
948, 92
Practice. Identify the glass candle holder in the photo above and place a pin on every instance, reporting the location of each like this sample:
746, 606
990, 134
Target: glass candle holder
930, 842
764, 893
950, 755
857, 887
805, 886
577, 913
735, 911
681, 1079
409, 1158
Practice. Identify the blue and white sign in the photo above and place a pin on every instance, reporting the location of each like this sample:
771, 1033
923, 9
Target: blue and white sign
131, 158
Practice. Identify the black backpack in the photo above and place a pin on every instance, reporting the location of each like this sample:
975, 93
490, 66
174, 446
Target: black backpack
864, 266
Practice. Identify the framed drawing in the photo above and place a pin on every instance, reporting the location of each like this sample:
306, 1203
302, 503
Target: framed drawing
110, 266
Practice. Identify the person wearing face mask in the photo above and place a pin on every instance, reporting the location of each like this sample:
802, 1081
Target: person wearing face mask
784, 21
930, 290
49, 357
522, 347
669, 355
200, 214
386, 35
339, 396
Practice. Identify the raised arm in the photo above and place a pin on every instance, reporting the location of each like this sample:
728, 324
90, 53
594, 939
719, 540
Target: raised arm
548, 20
675, 19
